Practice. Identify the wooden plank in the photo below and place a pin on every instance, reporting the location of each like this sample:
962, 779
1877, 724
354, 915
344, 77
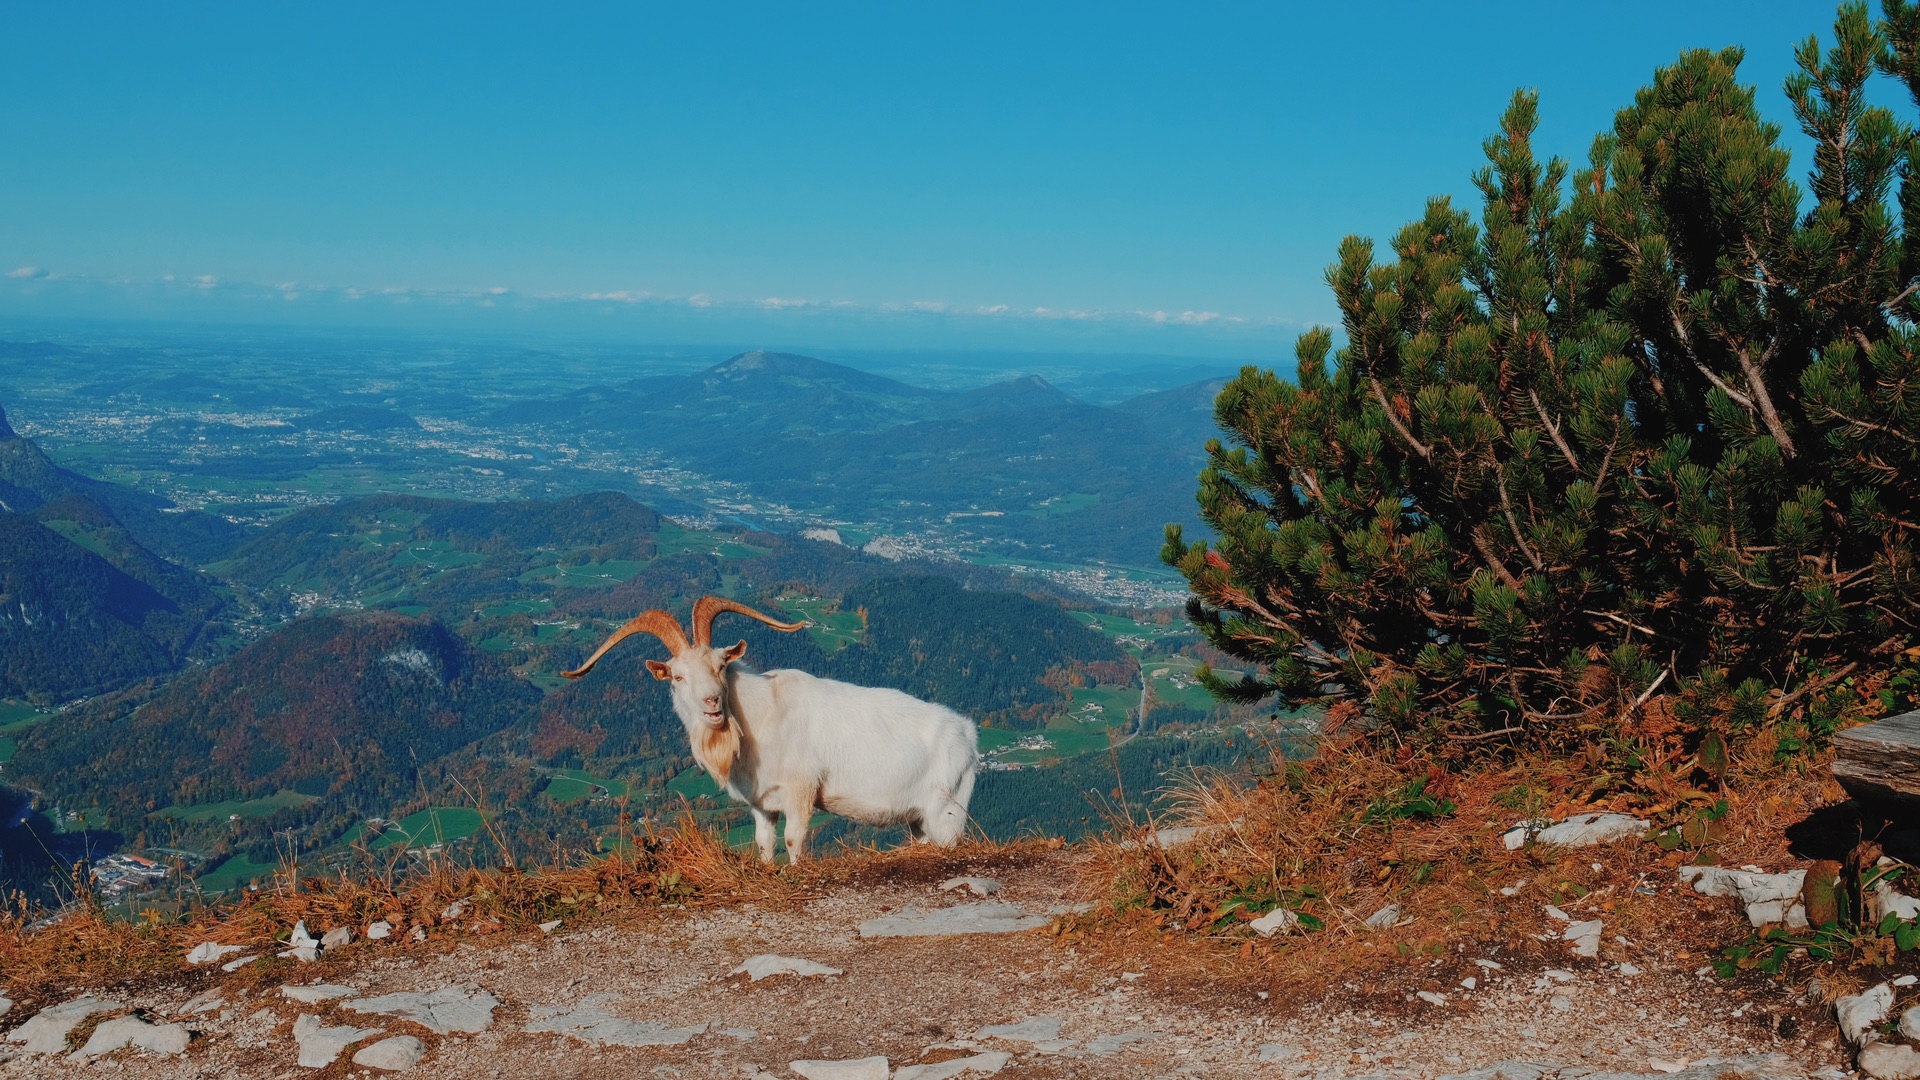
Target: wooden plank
1880, 760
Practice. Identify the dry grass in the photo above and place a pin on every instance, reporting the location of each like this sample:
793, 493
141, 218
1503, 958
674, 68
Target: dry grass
1343, 836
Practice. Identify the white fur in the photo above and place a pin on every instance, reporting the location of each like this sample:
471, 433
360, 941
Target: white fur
868, 754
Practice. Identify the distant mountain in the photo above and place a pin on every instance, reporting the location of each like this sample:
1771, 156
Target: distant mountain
30, 479
346, 709
73, 623
1182, 415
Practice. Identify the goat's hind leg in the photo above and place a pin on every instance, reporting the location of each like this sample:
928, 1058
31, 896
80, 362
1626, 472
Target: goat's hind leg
799, 815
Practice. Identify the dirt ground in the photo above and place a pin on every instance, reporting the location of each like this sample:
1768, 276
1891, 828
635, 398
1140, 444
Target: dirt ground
1132, 1008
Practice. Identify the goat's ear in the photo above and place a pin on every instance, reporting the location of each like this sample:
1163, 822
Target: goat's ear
660, 670
736, 652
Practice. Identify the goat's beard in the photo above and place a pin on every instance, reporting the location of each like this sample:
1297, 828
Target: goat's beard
717, 747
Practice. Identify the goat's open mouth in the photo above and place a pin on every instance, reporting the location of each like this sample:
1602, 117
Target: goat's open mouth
716, 718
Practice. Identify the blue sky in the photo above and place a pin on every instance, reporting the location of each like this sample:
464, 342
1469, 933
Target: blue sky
1171, 178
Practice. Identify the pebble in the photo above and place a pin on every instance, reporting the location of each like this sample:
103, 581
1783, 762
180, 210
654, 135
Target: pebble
1033, 1029
443, 1012
1385, 917
336, 937
1628, 969
319, 1044
978, 918
125, 1031
46, 1032
1470, 982
867, 1068
454, 910
392, 1055
6, 1006
1271, 1052
1431, 998
1910, 1021
379, 930
978, 886
550, 926
237, 964
767, 965
1112, 1044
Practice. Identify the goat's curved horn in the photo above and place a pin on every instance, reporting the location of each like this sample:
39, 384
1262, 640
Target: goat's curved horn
656, 622
707, 607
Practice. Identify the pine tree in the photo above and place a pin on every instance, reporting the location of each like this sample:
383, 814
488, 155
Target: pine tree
1645, 426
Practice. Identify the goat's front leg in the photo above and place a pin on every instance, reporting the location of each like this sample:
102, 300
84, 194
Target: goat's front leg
763, 834
799, 812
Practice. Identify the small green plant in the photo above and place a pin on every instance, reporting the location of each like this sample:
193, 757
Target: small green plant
1410, 803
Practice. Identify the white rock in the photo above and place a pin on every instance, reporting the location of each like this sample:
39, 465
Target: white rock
1033, 1029
6, 1006
988, 1063
204, 1001
443, 1012
987, 917
978, 886
1561, 975
306, 954
1585, 938
300, 939
1580, 830
1662, 1065
1628, 969
1430, 997
1749, 886
1277, 921
1556, 913
379, 930
1385, 917
454, 910
1860, 1013
1890, 1061
550, 926
1790, 912
237, 964
1910, 1022
767, 965
1890, 902
867, 1068
1904, 980
1271, 1052
1113, 1044
419, 934
319, 1044
1515, 1070
336, 937
308, 995
1488, 965
1470, 983
124, 1031
207, 952
46, 1031
392, 1055
1514, 889
589, 1021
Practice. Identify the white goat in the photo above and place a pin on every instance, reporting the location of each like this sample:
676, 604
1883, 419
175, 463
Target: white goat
784, 742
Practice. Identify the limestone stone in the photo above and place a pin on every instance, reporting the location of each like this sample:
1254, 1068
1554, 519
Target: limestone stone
767, 965
454, 910
379, 931
207, 952
986, 917
591, 1022
238, 963
319, 1044
336, 937
6, 1006
978, 886
46, 1031
1033, 1029
443, 1011
1860, 1013
1112, 1044
550, 926
309, 995
1385, 917
1277, 921
397, 1054
1271, 1052
867, 1068
1890, 1061
1580, 830
1584, 937
124, 1031
1910, 1023
986, 1064
1508, 1070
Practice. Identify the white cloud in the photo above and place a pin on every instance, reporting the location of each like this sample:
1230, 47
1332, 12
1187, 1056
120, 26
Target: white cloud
25, 272
700, 300
206, 281
775, 303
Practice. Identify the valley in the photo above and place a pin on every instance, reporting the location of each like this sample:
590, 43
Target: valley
335, 608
